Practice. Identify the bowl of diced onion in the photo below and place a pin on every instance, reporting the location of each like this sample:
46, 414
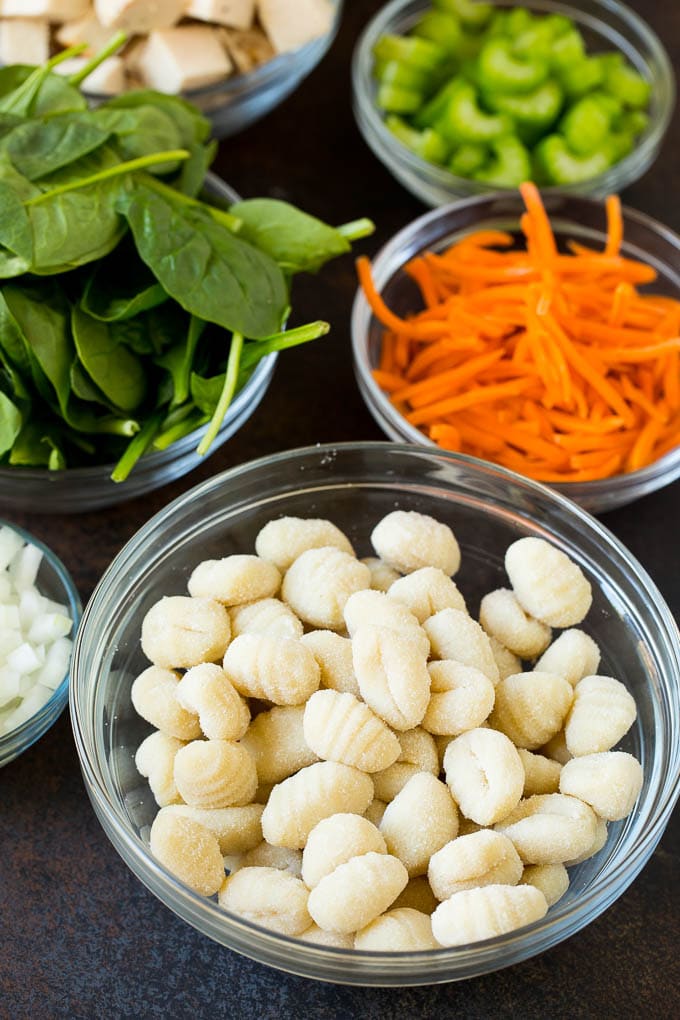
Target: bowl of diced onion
354, 486
39, 612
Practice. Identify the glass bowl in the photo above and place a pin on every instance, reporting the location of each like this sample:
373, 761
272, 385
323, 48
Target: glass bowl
572, 216
81, 489
238, 101
55, 582
605, 24
354, 485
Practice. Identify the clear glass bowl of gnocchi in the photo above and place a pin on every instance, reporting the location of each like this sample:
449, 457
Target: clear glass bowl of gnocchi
375, 714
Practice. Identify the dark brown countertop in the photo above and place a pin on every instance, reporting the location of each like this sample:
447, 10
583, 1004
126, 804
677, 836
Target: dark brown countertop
79, 935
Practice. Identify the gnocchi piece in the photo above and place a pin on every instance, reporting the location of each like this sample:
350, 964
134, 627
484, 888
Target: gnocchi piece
265, 616
237, 829
382, 576
477, 914
418, 754
408, 540
400, 930
222, 712
269, 897
461, 698
485, 775
506, 661
357, 892
188, 850
391, 670
375, 811
601, 833
336, 840
375, 609
417, 895
263, 792
602, 713
556, 748
550, 828
531, 708
472, 861
276, 740
299, 803
281, 670
551, 879
334, 656
609, 781
180, 632
548, 584
427, 591
155, 760
541, 774
572, 655
234, 580
215, 774
338, 727
419, 821
501, 615
466, 826
264, 855
154, 695
327, 938
455, 635
319, 582
283, 540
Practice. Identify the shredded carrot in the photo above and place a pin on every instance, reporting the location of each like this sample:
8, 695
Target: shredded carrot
549, 360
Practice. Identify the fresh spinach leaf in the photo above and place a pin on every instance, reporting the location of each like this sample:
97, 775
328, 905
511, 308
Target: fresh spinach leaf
205, 268
10, 423
42, 316
120, 286
38, 444
43, 145
36, 91
140, 132
297, 241
114, 369
179, 360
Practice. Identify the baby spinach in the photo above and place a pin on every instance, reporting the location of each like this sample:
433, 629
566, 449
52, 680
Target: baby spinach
133, 305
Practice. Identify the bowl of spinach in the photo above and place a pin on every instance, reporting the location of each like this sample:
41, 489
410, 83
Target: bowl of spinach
142, 303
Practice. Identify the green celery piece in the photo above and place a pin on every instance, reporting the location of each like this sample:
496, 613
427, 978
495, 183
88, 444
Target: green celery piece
394, 99
468, 158
442, 28
510, 166
429, 114
510, 23
559, 166
500, 71
625, 84
581, 77
401, 75
539, 38
567, 49
471, 14
585, 126
427, 144
618, 144
465, 121
532, 113
633, 122
411, 50
612, 106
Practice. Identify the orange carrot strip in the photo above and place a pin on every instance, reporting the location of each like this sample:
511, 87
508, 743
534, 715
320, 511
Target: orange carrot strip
641, 454
546, 247
448, 380
614, 225
476, 395
387, 380
636, 396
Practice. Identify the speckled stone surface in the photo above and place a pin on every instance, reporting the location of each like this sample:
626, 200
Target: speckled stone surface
80, 937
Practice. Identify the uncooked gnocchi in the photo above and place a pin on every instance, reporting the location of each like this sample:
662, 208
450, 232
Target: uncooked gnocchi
309, 764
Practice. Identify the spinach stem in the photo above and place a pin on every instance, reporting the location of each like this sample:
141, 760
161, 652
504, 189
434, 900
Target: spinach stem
32, 84
114, 44
178, 431
259, 349
137, 447
130, 166
230, 378
357, 229
227, 219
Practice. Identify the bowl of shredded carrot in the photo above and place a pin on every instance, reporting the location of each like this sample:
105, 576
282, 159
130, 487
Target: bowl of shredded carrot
542, 334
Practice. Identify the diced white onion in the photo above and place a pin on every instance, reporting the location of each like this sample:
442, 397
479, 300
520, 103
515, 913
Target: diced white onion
35, 649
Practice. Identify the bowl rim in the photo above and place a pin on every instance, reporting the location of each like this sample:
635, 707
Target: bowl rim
609, 180
379, 404
310, 960
28, 732
243, 83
